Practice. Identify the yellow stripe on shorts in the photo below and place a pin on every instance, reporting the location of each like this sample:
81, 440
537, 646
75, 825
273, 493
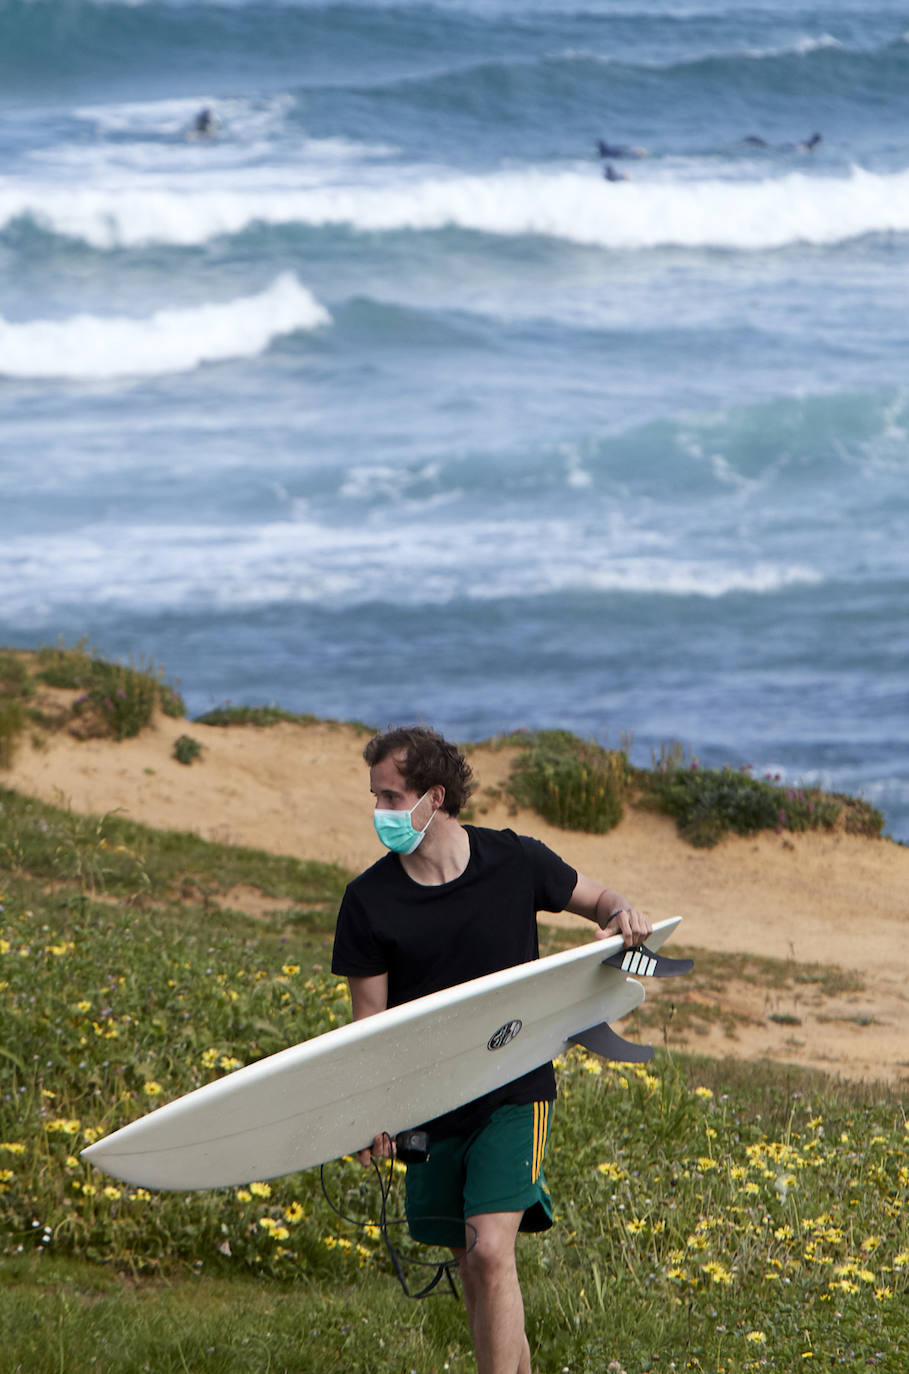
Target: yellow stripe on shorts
540, 1128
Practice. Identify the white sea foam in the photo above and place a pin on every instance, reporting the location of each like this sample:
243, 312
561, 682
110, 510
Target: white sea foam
170, 340
305, 561
799, 46
571, 205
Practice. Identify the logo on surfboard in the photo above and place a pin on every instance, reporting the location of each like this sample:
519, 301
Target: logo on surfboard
504, 1035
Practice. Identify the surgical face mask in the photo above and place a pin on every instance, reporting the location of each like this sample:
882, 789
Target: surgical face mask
396, 830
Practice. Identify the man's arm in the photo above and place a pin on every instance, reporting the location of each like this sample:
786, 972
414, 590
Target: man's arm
609, 910
367, 997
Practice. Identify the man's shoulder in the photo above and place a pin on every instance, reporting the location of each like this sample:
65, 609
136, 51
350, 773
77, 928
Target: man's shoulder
507, 838
508, 843
379, 874
488, 835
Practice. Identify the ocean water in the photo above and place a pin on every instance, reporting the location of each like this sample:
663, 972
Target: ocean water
384, 403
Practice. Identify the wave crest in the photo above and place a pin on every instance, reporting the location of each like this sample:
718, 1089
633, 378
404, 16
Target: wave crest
574, 206
171, 340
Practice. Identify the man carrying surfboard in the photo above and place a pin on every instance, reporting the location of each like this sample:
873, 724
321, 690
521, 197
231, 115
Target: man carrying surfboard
448, 903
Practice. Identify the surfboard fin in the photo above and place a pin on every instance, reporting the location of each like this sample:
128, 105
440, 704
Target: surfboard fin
604, 1041
645, 964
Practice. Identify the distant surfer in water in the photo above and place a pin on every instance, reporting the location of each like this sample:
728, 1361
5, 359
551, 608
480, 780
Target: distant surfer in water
610, 173
808, 146
205, 125
448, 903
619, 150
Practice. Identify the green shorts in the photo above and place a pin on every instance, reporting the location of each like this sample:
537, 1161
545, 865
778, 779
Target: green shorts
498, 1168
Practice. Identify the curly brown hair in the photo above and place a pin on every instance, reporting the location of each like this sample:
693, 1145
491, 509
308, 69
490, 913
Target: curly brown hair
425, 759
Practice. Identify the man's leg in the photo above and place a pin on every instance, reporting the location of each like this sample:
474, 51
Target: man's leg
492, 1294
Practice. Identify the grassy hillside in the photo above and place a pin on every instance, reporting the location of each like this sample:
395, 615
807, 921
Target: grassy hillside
710, 1216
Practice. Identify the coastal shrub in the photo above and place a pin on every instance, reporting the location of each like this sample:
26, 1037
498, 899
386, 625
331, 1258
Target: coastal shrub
860, 817
15, 688
14, 676
252, 715
570, 782
708, 803
12, 720
186, 749
116, 699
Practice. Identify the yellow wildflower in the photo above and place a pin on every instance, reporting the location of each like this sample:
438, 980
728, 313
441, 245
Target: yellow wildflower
63, 1126
717, 1272
152, 1089
260, 1189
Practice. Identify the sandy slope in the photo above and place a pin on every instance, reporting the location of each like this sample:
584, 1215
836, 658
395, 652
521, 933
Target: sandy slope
293, 789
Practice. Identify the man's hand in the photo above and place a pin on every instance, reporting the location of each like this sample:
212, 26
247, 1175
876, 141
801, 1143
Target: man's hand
612, 912
382, 1147
633, 926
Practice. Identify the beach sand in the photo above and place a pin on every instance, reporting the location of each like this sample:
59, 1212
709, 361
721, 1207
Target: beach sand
827, 899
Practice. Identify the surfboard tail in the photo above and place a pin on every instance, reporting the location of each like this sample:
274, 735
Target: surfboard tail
604, 1041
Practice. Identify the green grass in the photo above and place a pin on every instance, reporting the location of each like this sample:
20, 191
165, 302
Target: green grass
710, 1216
118, 857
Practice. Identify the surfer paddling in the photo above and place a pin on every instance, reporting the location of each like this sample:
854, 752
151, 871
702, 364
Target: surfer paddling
448, 903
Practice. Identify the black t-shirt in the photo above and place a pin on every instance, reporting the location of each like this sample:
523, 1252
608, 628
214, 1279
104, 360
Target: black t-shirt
427, 938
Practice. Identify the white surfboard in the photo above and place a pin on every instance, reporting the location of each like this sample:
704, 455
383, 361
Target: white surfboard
329, 1096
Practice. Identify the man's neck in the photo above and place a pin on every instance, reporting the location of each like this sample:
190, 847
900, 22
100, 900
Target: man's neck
443, 854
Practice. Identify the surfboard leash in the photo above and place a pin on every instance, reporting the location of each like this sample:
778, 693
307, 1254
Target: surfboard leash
443, 1269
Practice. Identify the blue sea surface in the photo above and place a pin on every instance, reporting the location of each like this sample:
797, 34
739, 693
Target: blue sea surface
382, 402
